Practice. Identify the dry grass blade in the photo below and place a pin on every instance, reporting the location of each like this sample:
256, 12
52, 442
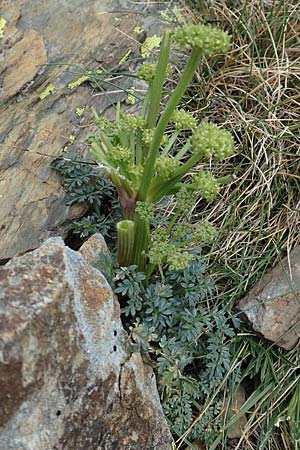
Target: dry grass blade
254, 93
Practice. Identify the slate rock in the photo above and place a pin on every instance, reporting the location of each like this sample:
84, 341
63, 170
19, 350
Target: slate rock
273, 305
50, 44
67, 380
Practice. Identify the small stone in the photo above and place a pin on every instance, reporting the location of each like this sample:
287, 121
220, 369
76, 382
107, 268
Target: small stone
94, 248
273, 305
237, 401
196, 445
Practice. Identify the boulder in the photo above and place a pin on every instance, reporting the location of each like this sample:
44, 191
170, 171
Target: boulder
273, 305
67, 380
47, 46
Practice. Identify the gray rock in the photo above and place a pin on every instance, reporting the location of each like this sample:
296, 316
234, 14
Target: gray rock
67, 381
273, 305
52, 44
93, 248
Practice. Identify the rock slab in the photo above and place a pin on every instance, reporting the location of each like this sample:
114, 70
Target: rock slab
47, 46
273, 305
67, 381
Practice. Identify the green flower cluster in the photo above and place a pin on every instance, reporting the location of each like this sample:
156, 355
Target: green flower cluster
135, 171
119, 155
119, 160
183, 120
205, 231
163, 252
159, 252
209, 140
209, 39
181, 230
166, 166
147, 135
104, 124
129, 122
185, 200
145, 210
207, 185
147, 71
179, 260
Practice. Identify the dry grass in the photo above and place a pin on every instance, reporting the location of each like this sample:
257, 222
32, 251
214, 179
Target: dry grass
255, 94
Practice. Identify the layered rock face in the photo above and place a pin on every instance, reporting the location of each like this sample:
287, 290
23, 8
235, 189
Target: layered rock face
273, 305
67, 380
47, 46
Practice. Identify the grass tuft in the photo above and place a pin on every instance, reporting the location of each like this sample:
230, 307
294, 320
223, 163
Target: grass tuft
254, 93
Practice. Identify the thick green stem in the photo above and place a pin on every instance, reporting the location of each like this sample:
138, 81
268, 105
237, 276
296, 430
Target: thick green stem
183, 84
159, 79
182, 170
141, 243
133, 243
125, 231
159, 188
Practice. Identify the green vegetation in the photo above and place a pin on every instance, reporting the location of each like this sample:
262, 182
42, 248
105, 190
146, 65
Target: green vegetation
84, 186
183, 314
255, 95
188, 339
140, 160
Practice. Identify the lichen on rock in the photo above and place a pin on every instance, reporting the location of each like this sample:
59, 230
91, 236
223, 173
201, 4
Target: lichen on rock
67, 380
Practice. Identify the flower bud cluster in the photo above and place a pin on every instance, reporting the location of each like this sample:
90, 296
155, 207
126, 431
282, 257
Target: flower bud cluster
207, 185
130, 122
209, 39
179, 261
135, 171
163, 252
147, 135
209, 140
160, 251
185, 200
147, 71
181, 230
145, 211
104, 124
161, 234
119, 154
205, 231
183, 120
166, 166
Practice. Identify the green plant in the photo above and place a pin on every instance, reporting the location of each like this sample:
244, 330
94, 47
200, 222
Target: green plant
86, 185
256, 96
188, 340
273, 406
135, 153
